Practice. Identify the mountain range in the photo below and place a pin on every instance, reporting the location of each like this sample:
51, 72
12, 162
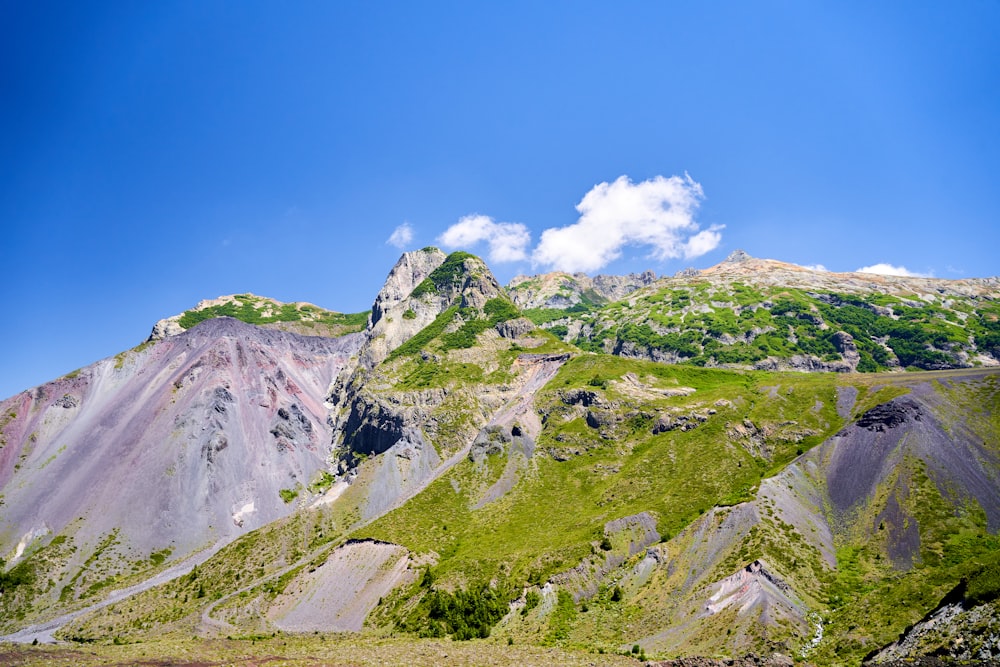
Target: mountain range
755, 458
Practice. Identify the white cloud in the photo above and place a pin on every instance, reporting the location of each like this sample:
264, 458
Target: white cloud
889, 270
657, 213
401, 236
814, 267
508, 241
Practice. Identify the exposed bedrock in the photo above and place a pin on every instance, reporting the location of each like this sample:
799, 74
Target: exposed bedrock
373, 424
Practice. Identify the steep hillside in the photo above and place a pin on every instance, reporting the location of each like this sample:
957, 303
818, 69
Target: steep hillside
149, 456
465, 468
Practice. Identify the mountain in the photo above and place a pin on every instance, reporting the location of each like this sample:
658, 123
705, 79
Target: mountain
595, 464
158, 453
769, 315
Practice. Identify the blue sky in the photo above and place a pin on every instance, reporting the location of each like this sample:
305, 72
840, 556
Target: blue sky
155, 154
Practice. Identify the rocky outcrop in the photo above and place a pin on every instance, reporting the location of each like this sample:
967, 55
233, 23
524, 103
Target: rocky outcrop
410, 270
515, 328
749, 660
375, 423
421, 286
563, 290
957, 630
165, 328
753, 586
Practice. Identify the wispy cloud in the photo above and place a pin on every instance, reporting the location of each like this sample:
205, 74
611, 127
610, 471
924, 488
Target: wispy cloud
401, 236
814, 267
508, 241
658, 213
890, 270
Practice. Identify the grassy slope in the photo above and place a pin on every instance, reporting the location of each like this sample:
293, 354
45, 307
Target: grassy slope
736, 324
554, 517
298, 317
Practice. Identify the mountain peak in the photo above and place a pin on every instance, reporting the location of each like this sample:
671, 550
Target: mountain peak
737, 256
421, 286
410, 270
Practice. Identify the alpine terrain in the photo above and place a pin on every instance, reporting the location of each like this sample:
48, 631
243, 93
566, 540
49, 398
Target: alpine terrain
755, 462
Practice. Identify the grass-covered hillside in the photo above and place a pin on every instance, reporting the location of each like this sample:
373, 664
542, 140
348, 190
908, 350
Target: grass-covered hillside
303, 318
751, 317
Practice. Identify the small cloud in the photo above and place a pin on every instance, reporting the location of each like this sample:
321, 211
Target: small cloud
401, 236
814, 267
703, 242
508, 241
890, 270
657, 213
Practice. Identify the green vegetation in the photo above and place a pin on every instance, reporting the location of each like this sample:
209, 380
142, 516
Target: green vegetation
415, 344
323, 481
616, 469
22, 574
464, 614
561, 619
444, 277
496, 310
257, 310
983, 584
157, 558
288, 495
742, 326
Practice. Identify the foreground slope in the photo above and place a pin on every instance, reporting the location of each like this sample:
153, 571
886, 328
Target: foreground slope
157, 453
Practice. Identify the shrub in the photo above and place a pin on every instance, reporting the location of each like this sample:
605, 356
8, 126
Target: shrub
464, 614
531, 600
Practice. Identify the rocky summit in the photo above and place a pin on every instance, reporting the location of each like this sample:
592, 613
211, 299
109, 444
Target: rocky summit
756, 463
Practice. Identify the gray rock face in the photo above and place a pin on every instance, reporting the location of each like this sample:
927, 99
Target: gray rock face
563, 290
398, 315
615, 288
411, 269
844, 342
165, 328
738, 256
961, 632
515, 328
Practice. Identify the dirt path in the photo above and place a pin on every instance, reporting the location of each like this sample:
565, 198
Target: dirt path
45, 632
